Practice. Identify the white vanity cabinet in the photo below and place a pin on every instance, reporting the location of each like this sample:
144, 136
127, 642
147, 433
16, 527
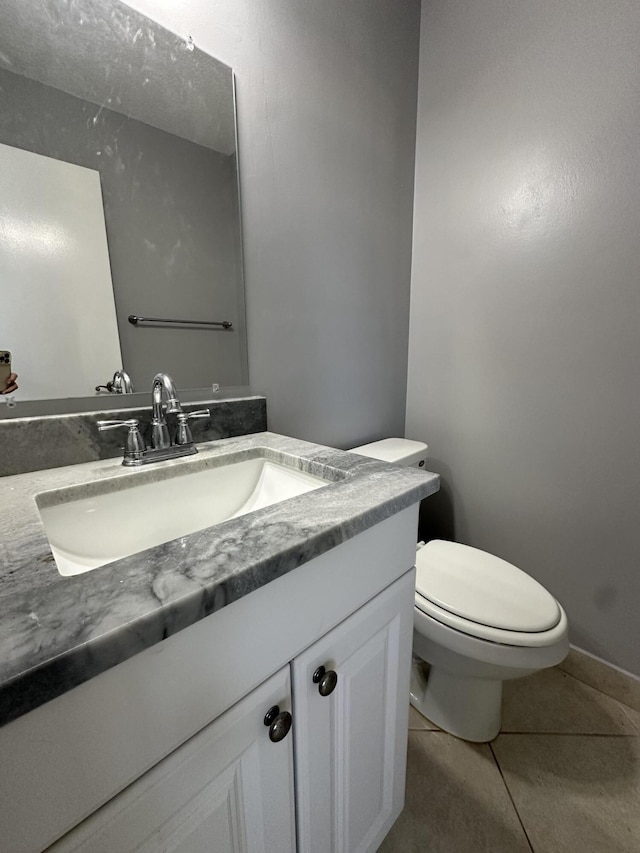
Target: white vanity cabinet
169, 750
351, 745
230, 788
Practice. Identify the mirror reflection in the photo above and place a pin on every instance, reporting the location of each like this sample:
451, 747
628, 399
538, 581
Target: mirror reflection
93, 92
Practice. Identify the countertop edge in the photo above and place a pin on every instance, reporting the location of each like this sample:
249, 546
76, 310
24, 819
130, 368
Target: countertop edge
34, 685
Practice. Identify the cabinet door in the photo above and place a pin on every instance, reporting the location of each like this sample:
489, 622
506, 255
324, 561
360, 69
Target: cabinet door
228, 789
350, 746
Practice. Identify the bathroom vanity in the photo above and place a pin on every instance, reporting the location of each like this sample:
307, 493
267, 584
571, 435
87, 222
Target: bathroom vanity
241, 687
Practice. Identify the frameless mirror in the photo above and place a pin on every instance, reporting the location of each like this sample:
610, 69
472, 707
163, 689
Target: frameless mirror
93, 87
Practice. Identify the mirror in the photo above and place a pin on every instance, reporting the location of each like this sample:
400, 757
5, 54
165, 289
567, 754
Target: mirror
96, 85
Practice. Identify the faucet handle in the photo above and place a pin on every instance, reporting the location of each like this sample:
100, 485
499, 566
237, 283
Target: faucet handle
183, 435
134, 444
132, 423
199, 413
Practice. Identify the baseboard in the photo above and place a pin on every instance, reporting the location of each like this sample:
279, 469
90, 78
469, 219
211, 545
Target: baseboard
608, 679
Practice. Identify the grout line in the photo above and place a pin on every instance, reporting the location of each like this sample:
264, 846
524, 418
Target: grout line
515, 808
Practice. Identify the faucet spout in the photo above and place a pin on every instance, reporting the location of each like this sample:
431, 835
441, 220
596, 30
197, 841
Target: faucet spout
122, 383
163, 387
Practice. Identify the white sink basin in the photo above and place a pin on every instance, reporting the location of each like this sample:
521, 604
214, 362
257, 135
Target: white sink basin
87, 532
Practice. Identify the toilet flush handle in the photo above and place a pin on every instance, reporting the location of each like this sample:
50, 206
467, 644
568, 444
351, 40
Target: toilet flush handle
326, 680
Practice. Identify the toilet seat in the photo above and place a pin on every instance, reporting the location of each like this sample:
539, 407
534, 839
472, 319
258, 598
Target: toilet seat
532, 639
483, 596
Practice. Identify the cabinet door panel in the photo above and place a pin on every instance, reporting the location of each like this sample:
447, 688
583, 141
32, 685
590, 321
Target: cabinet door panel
351, 745
229, 789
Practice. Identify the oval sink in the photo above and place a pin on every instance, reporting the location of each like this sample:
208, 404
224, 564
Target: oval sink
88, 532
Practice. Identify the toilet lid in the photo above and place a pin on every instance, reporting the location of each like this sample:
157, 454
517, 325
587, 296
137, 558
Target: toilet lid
484, 589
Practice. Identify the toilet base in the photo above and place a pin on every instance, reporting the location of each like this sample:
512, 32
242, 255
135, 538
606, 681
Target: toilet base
467, 707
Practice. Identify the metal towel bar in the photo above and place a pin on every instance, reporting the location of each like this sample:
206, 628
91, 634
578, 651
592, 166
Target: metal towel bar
134, 320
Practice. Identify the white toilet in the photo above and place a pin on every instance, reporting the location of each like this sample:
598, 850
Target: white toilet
478, 621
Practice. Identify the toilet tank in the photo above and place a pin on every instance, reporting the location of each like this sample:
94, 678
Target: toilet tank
397, 451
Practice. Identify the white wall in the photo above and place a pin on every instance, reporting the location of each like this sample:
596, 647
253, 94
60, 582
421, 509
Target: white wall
525, 305
326, 106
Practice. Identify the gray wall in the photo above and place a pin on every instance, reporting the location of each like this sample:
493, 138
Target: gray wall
326, 111
172, 226
525, 311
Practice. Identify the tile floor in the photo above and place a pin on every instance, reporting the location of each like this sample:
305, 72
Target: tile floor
563, 776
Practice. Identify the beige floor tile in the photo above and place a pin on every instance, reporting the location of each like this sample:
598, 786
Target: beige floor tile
456, 801
419, 723
574, 794
552, 701
633, 715
623, 687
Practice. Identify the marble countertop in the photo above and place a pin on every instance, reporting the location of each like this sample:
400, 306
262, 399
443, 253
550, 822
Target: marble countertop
57, 632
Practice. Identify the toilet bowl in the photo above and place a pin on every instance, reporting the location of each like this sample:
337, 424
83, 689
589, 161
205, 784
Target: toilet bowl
478, 621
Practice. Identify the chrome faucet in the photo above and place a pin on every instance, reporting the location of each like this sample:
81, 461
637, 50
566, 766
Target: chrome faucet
135, 452
163, 386
120, 384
